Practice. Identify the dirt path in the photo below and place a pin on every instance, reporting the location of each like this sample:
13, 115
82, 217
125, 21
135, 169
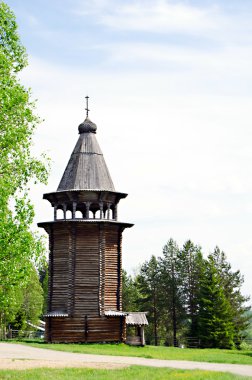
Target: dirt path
17, 356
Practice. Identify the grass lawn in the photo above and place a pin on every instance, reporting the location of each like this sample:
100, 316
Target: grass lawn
130, 373
172, 353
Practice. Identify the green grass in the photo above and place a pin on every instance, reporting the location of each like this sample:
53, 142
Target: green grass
172, 353
129, 373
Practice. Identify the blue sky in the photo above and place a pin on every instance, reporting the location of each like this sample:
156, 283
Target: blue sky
170, 86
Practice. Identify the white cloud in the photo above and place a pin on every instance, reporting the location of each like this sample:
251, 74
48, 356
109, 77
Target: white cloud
159, 16
234, 61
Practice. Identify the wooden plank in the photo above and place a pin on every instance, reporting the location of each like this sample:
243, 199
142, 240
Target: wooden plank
85, 280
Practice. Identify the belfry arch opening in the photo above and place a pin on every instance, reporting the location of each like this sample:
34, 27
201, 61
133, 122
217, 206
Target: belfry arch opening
78, 214
59, 213
69, 214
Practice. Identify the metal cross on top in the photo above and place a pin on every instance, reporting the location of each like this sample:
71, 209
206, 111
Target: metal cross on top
87, 97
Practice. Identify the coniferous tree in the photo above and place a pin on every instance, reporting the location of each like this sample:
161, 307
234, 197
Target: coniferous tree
172, 295
149, 286
130, 293
216, 329
191, 264
188, 296
232, 283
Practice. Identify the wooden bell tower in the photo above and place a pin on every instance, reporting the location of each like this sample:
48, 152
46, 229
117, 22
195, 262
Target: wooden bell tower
85, 244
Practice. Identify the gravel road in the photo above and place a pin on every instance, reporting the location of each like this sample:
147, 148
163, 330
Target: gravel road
17, 356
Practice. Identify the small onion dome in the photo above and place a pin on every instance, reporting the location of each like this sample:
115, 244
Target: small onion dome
87, 126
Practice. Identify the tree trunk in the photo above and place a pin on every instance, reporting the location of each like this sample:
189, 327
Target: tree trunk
174, 314
155, 318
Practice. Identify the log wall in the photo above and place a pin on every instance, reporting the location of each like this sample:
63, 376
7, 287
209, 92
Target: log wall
112, 271
87, 270
85, 329
84, 281
60, 240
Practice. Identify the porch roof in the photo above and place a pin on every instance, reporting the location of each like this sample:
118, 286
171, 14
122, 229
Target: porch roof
136, 319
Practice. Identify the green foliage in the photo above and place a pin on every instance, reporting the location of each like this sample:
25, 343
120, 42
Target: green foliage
216, 329
31, 305
248, 316
172, 296
231, 283
43, 279
130, 295
149, 286
20, 249
12, 52
191, 267
191, 300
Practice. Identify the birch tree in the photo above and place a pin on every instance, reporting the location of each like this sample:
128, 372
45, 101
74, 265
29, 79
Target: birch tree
20, 249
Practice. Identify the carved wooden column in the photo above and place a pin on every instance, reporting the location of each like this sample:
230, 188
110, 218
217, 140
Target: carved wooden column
74, 210
108, 215
55, 211
87, 209
101, 210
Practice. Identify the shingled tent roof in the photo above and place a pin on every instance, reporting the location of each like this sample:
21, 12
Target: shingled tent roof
86, 169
